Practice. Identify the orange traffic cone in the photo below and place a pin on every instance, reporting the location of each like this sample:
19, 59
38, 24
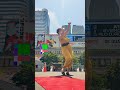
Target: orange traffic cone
45, 69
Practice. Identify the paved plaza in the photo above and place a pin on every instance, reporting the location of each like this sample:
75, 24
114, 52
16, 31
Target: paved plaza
78, 75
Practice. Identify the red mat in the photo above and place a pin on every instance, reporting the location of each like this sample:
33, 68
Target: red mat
60, 83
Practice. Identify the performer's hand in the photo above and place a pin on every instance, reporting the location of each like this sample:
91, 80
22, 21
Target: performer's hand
69, 23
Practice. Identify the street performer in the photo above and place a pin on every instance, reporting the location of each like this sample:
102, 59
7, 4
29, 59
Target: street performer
66, 49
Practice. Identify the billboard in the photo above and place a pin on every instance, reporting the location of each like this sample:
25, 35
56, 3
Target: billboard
102, 30
76, 38
103, 43
52, 40
40, 39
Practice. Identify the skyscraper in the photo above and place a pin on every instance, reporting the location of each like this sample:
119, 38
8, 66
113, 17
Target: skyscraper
42, 23
77, 29
12, 18
103, 9
66, 27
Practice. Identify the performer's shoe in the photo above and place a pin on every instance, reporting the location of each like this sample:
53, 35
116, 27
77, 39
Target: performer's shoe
63, 73
67, 73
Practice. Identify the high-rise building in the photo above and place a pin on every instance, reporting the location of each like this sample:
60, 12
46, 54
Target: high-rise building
77, 29
103, 9
66, 27
42, 23
31, 7
12, 16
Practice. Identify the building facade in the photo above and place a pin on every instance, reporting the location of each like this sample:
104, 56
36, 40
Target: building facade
76, 51
14, 14
77, 29
42, 23
77, 42
12, 18
103, 10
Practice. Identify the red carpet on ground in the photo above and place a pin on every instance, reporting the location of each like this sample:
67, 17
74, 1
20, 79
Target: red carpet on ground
60, 83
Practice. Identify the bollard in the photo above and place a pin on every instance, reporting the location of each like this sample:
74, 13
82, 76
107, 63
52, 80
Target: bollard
78, 70
51, 69
44, 68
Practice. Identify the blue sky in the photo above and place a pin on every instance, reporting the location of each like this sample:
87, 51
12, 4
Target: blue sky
63, 11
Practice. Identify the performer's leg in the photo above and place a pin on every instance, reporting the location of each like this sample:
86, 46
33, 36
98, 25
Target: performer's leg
68, 70
63, 69
70, 50
67, 53
71, 53
68, 59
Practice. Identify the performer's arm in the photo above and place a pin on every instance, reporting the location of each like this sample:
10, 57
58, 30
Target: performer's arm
66, 32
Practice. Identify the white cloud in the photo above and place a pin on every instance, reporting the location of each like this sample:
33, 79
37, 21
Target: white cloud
53, 19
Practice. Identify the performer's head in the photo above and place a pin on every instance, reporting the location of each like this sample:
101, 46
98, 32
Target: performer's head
59, 30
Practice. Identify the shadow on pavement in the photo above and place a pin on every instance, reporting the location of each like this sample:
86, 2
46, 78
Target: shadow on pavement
61, 76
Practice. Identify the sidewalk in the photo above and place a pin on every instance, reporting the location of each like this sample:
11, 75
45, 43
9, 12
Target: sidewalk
78, 75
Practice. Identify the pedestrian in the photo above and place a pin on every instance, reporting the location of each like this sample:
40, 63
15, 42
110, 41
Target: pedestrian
66, 49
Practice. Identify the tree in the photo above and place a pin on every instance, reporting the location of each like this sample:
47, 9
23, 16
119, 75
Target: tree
82, 58
75, 60
97, 82
49, 58
112, 76
61, 59
26, 75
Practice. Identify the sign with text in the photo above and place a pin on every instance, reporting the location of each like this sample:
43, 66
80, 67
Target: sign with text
103, 43
103, 30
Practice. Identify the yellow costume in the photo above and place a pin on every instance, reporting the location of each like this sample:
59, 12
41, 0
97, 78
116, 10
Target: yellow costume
67, 53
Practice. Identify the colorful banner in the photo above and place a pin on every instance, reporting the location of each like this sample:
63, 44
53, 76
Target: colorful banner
52, 40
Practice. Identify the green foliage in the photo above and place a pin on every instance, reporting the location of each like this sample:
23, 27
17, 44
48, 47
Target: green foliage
25, 76
113, 76
109, 80
49, 58
97, 81
75, 60
61, 59
82, 58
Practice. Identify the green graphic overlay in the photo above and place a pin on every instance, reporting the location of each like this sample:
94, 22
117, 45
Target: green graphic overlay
23, 49
45, 46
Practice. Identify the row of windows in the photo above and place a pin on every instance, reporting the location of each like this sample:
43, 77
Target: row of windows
40, 24
41, 18
11, 13
41, 21
12, 4
39, 14
40, 28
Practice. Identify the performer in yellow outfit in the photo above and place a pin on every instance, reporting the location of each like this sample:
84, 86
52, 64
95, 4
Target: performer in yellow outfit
66, 49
